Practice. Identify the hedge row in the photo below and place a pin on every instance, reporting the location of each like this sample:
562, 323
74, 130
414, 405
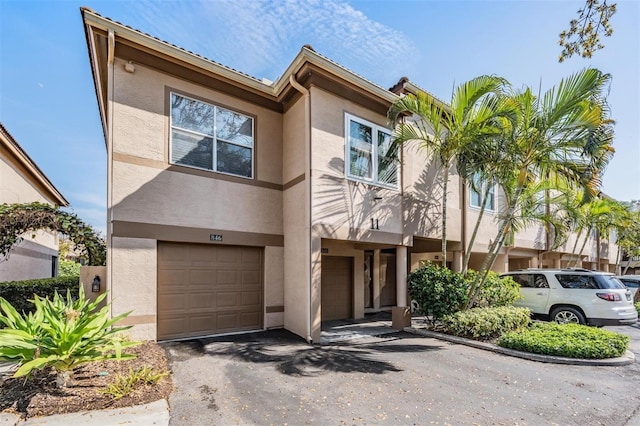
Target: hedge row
568, 340
18, 293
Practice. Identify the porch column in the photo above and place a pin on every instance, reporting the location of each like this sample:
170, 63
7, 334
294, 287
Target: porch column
401, 314
457, 261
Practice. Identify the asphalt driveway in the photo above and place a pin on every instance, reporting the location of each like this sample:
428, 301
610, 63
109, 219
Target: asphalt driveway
275, 377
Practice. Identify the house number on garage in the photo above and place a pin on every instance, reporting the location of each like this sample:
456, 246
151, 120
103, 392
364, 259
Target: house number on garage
215, 237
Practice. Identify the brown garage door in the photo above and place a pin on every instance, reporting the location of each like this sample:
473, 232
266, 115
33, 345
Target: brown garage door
337, 288
205, 290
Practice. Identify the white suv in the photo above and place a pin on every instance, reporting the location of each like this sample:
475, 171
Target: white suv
575, 295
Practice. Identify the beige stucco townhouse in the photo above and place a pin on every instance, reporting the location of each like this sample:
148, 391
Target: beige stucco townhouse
236, 204
21, 181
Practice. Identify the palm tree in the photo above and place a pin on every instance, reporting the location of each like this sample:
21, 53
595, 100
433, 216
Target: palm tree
445, 131
563, 137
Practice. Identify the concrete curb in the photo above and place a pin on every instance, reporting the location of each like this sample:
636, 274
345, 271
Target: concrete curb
628, 358
154, 413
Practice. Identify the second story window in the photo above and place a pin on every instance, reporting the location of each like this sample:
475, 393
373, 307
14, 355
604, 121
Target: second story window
369, 153
209, 137
477, 191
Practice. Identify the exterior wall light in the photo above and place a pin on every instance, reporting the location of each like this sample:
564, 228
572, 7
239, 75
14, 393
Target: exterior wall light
95, 286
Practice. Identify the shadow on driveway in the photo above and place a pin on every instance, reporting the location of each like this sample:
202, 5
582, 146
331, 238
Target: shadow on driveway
291, 355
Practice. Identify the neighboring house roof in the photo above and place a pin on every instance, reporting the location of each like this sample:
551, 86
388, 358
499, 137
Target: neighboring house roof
28, 168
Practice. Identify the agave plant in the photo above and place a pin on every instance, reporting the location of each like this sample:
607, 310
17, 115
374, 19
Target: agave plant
61, 333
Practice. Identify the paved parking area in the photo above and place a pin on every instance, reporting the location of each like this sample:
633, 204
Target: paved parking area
275, 377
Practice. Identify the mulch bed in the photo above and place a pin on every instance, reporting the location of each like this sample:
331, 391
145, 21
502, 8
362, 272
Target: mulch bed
39, 396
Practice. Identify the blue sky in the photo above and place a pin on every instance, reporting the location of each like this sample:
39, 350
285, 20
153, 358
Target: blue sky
47, 98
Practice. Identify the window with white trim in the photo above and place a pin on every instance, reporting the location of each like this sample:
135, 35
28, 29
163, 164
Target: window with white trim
209, 137
370, 155
477, 190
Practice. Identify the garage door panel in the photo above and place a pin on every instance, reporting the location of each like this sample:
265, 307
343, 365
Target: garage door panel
250, 278
226, 299
200, 277
208, 289
228, 256
173, 327
251, 257
250, 298
248, 318
227, 277
201, 323
201, 301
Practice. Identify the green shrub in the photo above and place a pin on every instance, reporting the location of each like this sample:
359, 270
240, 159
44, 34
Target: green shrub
68, 268
61, 333
438, 291
20, 293
567, 340
486, 323
124, 385
496, 291
637, 305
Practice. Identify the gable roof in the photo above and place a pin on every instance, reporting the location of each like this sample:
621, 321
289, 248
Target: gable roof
29, 168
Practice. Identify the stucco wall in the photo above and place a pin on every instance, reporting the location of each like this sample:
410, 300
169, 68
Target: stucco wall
340, 206
295, 222
32, 258
132, 284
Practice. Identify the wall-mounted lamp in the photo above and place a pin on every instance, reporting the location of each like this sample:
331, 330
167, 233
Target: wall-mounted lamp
129, 67
95, 286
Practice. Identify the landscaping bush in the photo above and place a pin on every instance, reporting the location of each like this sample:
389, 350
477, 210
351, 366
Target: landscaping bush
68, 268
20, 293
438, 291
637, 305
567, 340
496, 291
486, 323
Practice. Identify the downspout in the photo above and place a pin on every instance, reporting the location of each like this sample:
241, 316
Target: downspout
109, 135
307, 160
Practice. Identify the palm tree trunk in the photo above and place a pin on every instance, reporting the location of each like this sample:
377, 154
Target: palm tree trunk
575, 245
444, 215
584, 243
489, 260
467, 255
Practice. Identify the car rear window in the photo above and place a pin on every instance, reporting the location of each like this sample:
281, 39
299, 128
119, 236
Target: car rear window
588, 282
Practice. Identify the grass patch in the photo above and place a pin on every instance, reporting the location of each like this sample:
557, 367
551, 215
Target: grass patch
567, 340
126, 384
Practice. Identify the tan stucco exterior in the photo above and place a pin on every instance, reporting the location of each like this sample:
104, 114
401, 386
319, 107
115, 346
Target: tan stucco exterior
21, 181
299, 204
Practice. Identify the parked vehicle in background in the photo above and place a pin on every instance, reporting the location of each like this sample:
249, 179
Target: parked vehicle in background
575, 296
632, 282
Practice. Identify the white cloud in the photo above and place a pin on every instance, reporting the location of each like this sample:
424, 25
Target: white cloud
261, 37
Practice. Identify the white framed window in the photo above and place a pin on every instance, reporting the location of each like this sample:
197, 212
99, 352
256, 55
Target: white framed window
368, 153
477, 190
209, 137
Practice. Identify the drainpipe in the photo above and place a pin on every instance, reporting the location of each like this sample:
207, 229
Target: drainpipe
109, 128
307, 160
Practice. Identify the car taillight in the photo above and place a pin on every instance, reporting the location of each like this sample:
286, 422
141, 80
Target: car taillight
610, 297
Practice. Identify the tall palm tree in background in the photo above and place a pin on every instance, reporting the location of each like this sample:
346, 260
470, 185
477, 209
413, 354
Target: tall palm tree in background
563, 137
444, 131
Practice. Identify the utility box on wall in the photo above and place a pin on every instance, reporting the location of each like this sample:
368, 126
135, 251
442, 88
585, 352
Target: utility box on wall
94, 278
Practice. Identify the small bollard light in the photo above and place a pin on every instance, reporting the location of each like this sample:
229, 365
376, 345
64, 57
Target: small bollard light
95, 286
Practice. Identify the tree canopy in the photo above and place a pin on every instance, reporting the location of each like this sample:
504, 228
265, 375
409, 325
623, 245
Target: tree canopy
17, 220
583, 35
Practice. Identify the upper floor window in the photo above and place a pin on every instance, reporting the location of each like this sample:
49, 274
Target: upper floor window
209, 137
369, 153
477, 191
